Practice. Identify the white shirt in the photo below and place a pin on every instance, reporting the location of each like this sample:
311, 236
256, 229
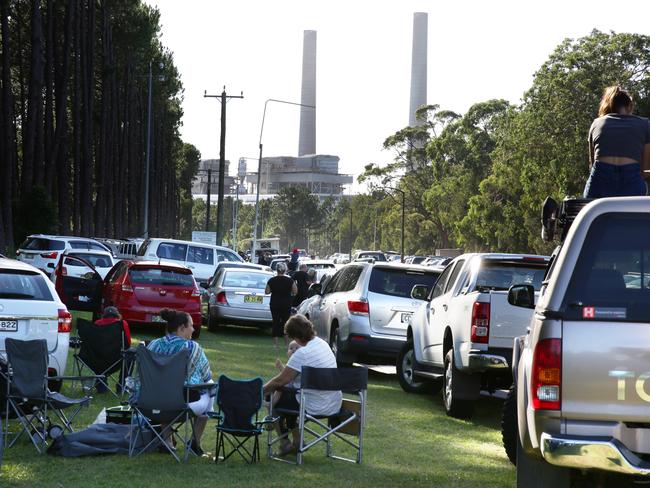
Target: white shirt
317, 354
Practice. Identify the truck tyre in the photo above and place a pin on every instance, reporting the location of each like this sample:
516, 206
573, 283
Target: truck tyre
537, 473
455, 407
405, 368
509, 431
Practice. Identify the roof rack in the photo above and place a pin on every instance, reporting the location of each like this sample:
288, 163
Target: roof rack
558, 218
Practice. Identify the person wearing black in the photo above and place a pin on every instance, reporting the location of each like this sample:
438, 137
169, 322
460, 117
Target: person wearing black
301, 277
282, 290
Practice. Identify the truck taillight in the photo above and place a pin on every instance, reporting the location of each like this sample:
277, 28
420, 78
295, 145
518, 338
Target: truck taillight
221, 298
546, 382
358, 307
65, 320
480, 322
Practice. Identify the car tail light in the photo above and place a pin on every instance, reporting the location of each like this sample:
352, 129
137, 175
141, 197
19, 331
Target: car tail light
547, 375
480, 322
221, 297
127, 288
64, 271
196, 292
50, 255
65, 320
359, 307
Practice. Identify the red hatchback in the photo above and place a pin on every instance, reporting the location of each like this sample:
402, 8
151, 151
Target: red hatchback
138, 289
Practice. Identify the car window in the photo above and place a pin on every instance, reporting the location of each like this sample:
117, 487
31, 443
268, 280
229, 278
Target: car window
245, 279
42, 244
159, 276
23, 285
97, 260
454, 275
348, 279
116, 272
439, 288
227, 256
200, 255
332, 283
611, 279
399, 282
501, 276
172, 250
143, 247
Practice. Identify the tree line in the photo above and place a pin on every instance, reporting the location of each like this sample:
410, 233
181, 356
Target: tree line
73, 122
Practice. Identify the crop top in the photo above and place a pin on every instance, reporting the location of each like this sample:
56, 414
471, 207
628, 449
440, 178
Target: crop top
618, 135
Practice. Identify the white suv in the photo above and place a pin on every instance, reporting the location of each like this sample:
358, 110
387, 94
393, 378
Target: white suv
44, 251
31, 309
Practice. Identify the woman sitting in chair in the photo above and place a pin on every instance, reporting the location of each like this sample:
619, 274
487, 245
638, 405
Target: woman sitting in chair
179, 337
313, 352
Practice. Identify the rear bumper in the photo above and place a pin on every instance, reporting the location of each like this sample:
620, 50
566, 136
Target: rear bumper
479, 361
143, 315
367, 345
606, 454
241, 315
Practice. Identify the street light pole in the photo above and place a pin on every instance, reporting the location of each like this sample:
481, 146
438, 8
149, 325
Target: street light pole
146, 180
259, 171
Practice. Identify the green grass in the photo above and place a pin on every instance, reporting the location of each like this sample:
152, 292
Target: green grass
409, 441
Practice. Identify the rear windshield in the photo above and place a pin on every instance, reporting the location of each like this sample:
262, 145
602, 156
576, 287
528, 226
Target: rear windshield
158, 276
23, 285
501, 276
172, 250
97, 260
42, 244
611, 280
399, 282
245, 279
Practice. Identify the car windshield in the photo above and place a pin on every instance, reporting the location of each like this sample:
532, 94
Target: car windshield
501, 276
399, 282
160, 276
42, 244
246, 279
97, 260
23, 285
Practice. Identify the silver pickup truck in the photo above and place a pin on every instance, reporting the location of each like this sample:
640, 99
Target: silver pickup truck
580, 404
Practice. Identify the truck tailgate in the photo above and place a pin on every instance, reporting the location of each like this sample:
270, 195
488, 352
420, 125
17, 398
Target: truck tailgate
506, 321
605, 368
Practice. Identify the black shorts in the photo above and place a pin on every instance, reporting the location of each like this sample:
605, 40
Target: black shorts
280, 317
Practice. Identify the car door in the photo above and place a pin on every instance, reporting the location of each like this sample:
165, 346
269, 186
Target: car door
201, 261
82, 293
324, 310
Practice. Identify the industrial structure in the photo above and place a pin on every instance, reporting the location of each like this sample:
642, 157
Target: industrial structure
418, 66
200, 182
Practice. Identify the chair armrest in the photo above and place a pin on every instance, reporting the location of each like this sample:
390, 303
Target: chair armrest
267, 420
214, 415
75, 378
200, 386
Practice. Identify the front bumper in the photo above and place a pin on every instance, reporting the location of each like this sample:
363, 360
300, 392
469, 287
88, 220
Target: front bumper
604, 453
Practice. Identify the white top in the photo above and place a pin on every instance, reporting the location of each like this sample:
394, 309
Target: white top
317, 354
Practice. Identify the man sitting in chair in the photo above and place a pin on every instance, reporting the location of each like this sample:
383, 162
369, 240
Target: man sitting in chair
316, 353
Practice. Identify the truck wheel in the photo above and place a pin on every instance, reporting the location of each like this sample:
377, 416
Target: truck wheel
405, 367
461, 409
537, 473
509, 433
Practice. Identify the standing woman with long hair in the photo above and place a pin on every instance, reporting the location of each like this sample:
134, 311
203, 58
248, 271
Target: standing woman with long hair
619, 148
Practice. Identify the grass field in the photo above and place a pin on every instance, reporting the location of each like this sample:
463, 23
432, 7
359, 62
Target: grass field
409, 441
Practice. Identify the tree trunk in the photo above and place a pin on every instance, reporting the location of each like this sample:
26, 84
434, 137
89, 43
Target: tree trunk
49, 157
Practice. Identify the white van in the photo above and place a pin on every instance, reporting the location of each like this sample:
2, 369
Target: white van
201, 258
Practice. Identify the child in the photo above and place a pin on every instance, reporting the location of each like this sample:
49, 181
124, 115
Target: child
293, 347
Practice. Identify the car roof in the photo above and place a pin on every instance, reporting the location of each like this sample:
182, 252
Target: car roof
318, 261
87, 251
252, 270
404, 266
6, 263
156, 264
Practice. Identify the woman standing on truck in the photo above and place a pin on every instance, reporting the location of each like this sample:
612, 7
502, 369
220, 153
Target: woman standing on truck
619, 148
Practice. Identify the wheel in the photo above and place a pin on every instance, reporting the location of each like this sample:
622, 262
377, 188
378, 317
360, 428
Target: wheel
509, 430
213, 323
405, 366
537, 473
342, 359
454, 406
197, 333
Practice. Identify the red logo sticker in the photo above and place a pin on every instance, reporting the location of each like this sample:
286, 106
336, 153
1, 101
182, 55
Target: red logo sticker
588, 312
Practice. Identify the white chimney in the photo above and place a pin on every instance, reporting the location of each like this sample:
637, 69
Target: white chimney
418, 66
307, 142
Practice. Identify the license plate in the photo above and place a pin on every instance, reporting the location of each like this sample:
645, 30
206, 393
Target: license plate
406, 317
253, 299
8, 325
156, 318
29, 256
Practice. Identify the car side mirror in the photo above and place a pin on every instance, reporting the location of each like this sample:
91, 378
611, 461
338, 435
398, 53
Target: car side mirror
420, 292
522, 296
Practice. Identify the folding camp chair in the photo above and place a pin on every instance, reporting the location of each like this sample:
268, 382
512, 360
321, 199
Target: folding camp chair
160, 405
239, 403
28, 396
101, 350
346, 424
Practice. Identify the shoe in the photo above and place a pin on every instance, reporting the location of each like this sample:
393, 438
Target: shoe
196, 448
286, 449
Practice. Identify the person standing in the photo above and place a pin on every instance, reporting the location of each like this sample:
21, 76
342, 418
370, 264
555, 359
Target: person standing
293, 264
619, 148
282, 290
301, 277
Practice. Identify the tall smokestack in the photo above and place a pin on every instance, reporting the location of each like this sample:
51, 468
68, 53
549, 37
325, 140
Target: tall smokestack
418, 66
307, 142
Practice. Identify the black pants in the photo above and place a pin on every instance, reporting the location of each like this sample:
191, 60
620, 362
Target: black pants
280, 317
287, 401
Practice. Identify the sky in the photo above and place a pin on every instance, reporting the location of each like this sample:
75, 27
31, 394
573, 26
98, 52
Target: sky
477, 50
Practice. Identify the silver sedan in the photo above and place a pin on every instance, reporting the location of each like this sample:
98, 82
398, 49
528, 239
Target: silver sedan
237, 297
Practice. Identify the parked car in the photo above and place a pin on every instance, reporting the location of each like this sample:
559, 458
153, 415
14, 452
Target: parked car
342, 258
363, 310
44, 251
138, 289
122, 248
579, 402
416, 259
102, 262
464, 329
279, 258
367, 255
322, 266
237, 296
202, 259
31, 309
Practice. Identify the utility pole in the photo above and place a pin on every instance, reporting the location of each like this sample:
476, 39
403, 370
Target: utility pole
223, 98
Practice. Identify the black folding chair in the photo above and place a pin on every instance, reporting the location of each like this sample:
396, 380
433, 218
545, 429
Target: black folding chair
348, 423
160, 405
239, 403
28, 396
101, 350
